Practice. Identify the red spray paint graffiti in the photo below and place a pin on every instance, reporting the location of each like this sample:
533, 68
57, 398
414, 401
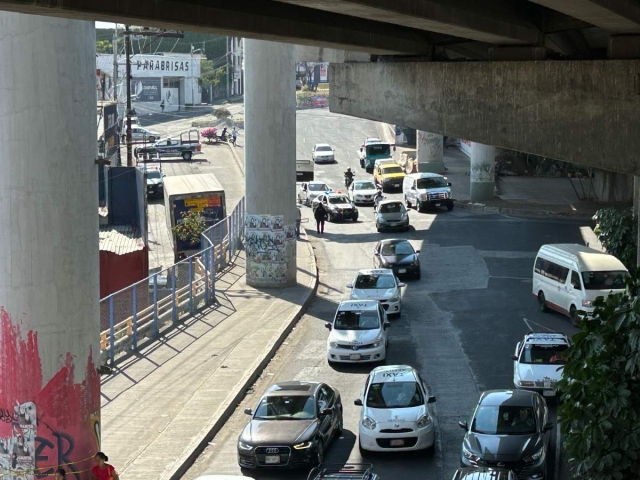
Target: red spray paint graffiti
45, 427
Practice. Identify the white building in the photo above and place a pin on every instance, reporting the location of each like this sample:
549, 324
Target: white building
169, 80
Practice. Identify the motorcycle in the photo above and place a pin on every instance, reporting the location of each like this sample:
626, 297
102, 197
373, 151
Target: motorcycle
348, 180
376, 202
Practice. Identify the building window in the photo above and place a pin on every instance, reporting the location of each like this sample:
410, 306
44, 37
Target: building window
170, 82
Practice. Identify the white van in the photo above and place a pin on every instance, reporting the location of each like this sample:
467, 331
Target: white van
424, 189
569, 277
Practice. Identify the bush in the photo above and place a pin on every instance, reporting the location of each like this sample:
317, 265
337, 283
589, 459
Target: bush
617, 230
209, 133
222, 112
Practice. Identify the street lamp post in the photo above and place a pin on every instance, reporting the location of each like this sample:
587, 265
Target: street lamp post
193, 98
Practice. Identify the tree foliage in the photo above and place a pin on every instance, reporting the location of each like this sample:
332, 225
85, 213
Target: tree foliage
104, 46
600, 410
617, 230
190, 227
210, 75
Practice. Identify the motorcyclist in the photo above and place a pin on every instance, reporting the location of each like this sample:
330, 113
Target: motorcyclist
348, 177
377, 198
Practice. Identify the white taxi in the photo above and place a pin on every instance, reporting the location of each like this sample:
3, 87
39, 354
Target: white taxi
380, 284
358, 333
538, 362
395, 411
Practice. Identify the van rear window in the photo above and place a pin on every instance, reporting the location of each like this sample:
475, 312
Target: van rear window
551, 270
604, 280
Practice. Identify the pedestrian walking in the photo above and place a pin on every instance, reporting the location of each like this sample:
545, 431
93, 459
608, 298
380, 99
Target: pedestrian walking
320, 215
234, 135
102, 470
298, 222
162, 105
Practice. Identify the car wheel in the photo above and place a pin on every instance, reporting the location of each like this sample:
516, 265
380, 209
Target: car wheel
407, 228
406, 200
363, 452
355, 219
379, 229
329, 218
450, 206
186, 156
542, 302
340, 426
418, 275
573, 315
319, 455
419, 207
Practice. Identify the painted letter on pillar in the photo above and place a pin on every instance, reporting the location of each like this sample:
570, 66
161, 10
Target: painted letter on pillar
270, 247
44, 427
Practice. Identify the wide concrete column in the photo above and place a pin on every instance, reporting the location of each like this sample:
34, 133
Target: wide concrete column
270, 163
483, 172
430, 148
49, 284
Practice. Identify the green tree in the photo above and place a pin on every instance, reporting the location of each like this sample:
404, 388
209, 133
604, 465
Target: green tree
210, 75
191, 227
600, 410
104, 46
617, 230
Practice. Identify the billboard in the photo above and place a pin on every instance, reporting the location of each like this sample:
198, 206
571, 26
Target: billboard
146, 89
323, 72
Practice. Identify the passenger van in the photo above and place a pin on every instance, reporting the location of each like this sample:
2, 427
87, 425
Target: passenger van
569, 277
423, 190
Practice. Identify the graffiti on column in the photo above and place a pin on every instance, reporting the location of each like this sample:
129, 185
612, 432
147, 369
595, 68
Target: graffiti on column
431, 144
44, 427
482, 172
270, 247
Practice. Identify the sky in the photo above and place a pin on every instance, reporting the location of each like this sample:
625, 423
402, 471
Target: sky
105, 25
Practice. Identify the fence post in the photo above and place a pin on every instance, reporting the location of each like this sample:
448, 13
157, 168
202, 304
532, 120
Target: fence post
112, 333
191, 285
206, 275
213, 276
174, 310
134, 339
155, 304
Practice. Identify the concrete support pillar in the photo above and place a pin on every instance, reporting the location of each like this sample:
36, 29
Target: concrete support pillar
483, 172
430, 152
270, 163
49, 284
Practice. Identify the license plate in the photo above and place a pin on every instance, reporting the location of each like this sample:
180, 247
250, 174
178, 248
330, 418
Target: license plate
355, 356
396, 184
396, 443
438, 204
549, 393
402, 270
271, 459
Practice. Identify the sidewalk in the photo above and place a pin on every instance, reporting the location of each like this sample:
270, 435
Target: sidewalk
161, 407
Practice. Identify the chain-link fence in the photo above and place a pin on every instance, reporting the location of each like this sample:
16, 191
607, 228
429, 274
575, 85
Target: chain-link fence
141, 310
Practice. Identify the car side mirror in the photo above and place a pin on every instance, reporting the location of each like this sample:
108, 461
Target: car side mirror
432, 399
449, 183
514, 357
349, 285
417, 251
358, 403
464, 425
377, 254
248, 411
402, 285
328, 325
548, 427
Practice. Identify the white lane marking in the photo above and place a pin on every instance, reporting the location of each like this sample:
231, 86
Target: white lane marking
556, 471
530, 322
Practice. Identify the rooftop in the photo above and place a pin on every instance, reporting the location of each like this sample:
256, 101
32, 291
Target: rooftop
120, 239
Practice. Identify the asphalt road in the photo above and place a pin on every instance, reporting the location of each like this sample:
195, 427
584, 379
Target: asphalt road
459, 326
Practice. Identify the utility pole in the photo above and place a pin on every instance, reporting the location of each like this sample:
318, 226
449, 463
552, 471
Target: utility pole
115, 88
227, 66
127, 49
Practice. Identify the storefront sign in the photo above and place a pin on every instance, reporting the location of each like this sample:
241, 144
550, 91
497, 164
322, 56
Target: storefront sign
163, 65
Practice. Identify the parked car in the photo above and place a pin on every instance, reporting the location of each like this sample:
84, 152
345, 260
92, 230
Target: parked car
381, 285
392, 215
310, 190
338, 206
538, 362
142, 134
508, 429
362, 191
292, 426
155, 182
358, 333
483, 473
323, 153
395, 412
421, 190
399, 255
186, 147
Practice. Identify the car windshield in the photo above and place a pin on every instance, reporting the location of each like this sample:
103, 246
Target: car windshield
604, 280
280, 407
378, 150
434, 182
325, 148
392, 169
337, 200
402, 248
504, 420
544, 354
396, 207
357, 320
364, 186
394, 395
375, 281
154, 174
318, 187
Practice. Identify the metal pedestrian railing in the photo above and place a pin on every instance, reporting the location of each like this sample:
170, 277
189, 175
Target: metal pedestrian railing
170, 295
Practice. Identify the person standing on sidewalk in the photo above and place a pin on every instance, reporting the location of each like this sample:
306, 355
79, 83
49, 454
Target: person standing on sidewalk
234, 135
298, 222
102, 470
162, 105
320, 215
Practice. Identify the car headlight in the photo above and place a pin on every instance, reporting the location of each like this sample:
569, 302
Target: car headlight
469, 455
394, 299
245, 446
303, 445
333, 345
536, 456
377, 343
424, 421
424, 196
587, 303
524, 383
405, 215
447, 194
381, 219
416, 262
368, 423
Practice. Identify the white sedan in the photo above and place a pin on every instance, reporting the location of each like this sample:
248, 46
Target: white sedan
363, 191
395, 411
539, 361
323, 153
309, 191
380, 284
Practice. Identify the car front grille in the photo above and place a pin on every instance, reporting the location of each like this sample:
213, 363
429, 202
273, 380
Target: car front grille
283, 452
437, 196
386, 442
519, 467
396, 430
355, 347
362, 357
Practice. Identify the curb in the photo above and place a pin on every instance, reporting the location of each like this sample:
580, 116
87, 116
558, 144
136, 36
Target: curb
237, 158
479, 207
185, 462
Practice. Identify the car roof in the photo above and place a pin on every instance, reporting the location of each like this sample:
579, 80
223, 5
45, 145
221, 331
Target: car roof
372, 140
348, 305
393, 373
546, 338
363, 181
316, 182
322, 145
512, 398
293, 387
385, 166
375, 271
389, 200
335, 194
424, 175
388, 241
482, 473
588, 259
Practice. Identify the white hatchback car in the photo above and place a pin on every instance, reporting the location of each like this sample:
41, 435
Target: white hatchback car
381, 285
395, 411
323, 153
538, 362
363, 191
358, 333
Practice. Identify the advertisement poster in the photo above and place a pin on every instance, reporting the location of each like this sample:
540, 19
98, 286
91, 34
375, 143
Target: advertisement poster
269, 246
147, 89
18, 440
324, 67
110, 122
